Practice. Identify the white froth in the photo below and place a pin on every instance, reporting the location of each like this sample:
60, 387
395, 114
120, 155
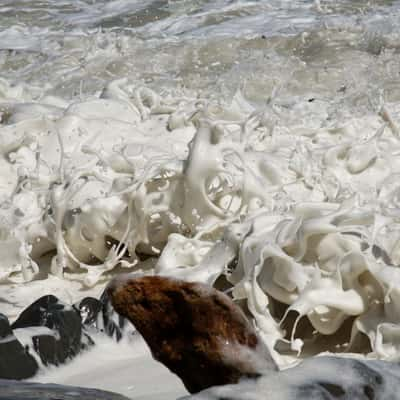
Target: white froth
300, 215
254, 141
125, 367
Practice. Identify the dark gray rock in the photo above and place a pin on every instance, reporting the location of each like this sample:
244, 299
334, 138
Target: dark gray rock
66, 333
12, 390
111, 322
89, 308
67, 338
15, 360
99, 315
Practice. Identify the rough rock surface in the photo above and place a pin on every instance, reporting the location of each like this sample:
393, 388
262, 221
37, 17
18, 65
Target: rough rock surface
196, 331
15, 360
65, 337
12, 390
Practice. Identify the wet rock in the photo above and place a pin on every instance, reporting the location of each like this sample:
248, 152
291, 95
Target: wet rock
111, 323
199, 334
318, 378
15, 360
89, 309
11, 390
63, 337
196, 331
99, 315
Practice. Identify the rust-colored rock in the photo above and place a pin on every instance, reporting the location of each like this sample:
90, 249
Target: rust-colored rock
196, 331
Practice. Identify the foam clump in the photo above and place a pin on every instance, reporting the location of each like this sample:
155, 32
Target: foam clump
300, 222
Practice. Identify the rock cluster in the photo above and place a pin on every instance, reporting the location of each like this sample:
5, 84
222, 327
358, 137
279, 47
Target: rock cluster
196, 331
64, 337
51, 332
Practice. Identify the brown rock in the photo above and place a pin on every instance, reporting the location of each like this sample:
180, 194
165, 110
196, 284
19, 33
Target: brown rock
196, 331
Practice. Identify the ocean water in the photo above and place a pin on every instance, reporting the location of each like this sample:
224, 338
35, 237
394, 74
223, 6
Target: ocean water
250, 142
333, 49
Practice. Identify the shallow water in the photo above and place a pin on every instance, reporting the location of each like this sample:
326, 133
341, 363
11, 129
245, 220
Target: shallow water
215, 47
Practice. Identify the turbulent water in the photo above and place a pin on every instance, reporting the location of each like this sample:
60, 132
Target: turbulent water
337, 51
132, 133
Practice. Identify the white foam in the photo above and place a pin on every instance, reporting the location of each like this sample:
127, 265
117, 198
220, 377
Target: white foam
255, 141
125, 367
302, 223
